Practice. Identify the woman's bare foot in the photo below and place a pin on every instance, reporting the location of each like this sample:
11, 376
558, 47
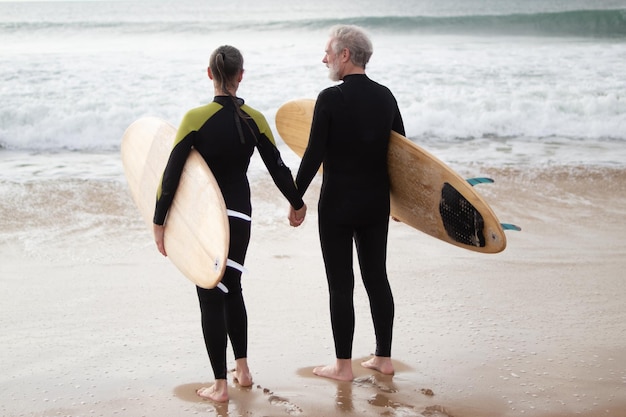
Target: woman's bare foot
380, 364
341, 371
241, 373
217, 392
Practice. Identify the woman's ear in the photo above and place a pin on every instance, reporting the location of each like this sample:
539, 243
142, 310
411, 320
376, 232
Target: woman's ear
240, 76
209, 73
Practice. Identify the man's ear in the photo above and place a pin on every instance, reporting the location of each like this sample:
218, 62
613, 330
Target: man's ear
345, 55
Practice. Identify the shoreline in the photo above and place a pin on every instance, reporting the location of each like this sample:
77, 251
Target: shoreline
97, 323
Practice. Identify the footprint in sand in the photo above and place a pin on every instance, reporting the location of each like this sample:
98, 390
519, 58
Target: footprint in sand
373, 382
380, 400
436, 411
289, 407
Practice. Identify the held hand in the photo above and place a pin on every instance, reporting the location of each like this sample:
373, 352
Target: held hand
159, 238
296, 217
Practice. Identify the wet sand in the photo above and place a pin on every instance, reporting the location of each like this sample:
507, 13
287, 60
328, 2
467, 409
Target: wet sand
101, 325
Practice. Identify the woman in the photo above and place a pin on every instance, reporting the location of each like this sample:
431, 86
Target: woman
225, 132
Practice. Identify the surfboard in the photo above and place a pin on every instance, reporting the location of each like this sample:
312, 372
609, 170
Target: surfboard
196, 228
426, 194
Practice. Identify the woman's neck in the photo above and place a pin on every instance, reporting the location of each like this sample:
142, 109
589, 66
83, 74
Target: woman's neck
219, 91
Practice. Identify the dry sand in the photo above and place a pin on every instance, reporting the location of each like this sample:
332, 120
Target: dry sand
538, 330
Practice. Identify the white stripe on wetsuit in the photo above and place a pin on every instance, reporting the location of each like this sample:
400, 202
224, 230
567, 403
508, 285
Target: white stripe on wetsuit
237, 266
232, 264
238, 215
229, 262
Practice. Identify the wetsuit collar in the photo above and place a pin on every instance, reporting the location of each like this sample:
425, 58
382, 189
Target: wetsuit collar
354, 77
223, 100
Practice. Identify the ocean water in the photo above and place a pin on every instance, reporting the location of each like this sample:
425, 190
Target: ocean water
503, 84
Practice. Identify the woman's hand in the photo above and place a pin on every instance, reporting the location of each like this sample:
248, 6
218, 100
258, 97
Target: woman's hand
159, 238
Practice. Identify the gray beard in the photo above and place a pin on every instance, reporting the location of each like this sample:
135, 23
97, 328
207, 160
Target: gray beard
333, 73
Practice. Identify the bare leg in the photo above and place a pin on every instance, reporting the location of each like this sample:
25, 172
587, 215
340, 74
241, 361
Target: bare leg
217, 392
341, 370
380, 364
241, 373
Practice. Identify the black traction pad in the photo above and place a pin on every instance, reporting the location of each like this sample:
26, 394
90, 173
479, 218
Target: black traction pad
463, 223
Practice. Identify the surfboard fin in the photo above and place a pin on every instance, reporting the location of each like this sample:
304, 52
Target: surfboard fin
479, 180
509, 226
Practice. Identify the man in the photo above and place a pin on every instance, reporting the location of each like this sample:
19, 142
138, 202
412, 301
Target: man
350, 132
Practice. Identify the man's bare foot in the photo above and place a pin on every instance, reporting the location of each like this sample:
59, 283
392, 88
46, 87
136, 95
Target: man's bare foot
217, 392
341, 371
380, 364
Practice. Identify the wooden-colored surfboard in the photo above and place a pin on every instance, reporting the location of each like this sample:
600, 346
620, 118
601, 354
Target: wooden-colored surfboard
425, 193
196, 229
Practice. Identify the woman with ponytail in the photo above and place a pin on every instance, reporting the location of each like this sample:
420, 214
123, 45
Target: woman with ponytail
225, 132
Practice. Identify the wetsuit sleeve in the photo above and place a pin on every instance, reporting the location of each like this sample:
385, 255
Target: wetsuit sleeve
173, 170
281, 174
318, 138
398, 124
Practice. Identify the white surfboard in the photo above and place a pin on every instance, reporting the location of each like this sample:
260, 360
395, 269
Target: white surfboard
196, 229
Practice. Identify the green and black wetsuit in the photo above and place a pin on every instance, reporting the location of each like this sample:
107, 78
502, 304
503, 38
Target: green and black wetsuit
226, 138
350, 135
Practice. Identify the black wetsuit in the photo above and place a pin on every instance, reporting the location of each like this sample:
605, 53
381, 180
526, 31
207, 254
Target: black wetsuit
350, 135
226, 141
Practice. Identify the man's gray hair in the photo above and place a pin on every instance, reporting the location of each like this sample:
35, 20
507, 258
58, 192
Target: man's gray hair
355, 40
